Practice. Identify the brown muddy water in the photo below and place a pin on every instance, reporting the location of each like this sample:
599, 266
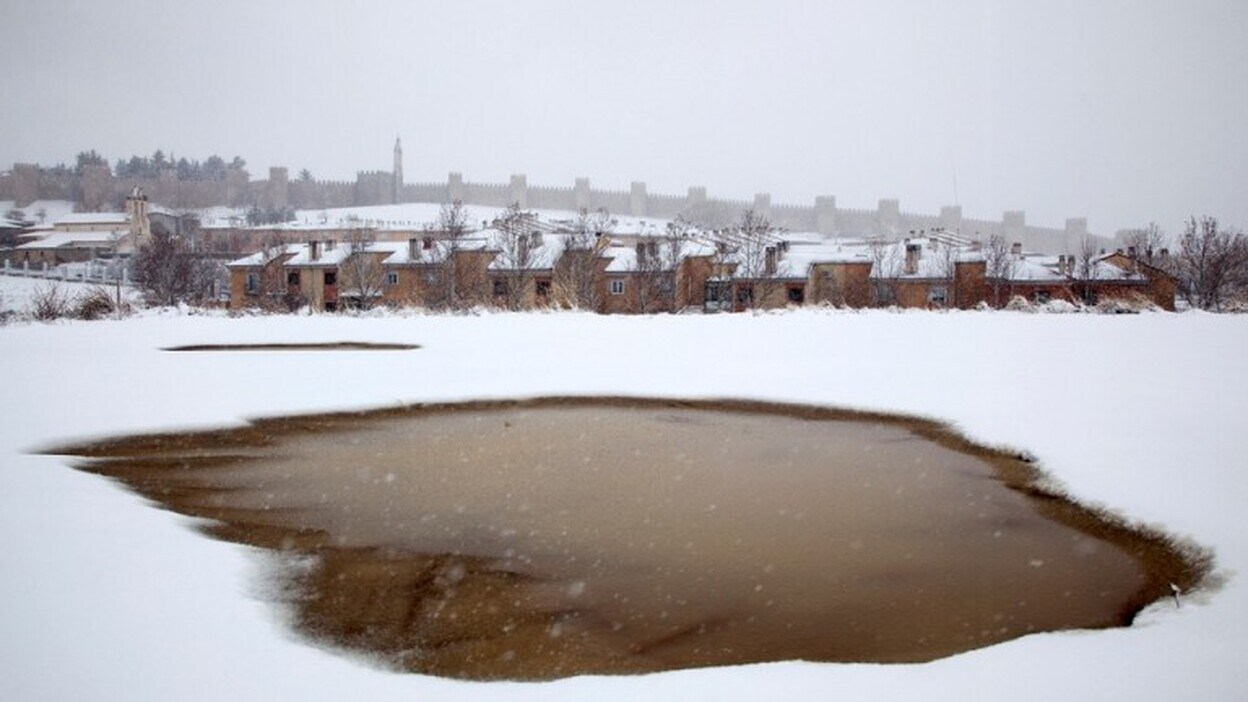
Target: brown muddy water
549, 538
318, 346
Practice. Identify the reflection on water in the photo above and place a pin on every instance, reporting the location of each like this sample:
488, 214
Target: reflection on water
548, 539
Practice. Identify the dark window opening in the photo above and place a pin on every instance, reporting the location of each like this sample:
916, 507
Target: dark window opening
331, 277
745, 295
292, 278
542, 288
797, 294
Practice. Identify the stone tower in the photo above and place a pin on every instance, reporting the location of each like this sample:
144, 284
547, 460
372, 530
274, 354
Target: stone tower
137, 213
397, 187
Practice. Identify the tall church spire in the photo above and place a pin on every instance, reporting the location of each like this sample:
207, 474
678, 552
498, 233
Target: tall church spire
397, 182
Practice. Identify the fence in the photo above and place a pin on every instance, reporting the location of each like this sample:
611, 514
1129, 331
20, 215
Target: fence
110, 272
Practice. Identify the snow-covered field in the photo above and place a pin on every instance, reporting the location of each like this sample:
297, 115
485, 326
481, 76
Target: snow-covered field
103, 597
17, 294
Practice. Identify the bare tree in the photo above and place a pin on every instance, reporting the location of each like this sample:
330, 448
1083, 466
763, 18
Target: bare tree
1212, 263
1087, 270
999, 265
267, 283
1148, 243
757, 249
452, 228
886, 268
517, 242
168, 271
362, 272
576, 273
671, 254
944, 270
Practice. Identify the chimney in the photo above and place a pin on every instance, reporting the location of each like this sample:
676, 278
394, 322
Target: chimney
1164, 253
314, 250
1017, 248
413, 249
769, 265
1131, 251
913, 251
330, 244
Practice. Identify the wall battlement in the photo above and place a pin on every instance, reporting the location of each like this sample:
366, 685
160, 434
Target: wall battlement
97, 189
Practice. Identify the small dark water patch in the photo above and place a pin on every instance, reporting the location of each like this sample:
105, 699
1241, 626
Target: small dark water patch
325, 346
547, 538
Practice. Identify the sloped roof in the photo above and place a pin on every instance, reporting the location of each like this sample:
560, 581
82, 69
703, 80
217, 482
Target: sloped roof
108, 218
93, 239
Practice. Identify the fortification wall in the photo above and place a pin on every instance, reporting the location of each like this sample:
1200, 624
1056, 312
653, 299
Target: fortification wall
552, 198
98, 189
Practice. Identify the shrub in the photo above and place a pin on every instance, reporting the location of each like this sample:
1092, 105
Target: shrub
95, 303
49, 303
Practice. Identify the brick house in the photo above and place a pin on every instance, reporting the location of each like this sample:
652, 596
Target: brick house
633, 273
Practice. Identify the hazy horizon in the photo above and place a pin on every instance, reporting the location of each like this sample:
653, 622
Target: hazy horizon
1120, 112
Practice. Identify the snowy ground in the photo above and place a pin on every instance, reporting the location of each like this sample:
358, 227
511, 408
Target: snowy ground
17, 293
102, 597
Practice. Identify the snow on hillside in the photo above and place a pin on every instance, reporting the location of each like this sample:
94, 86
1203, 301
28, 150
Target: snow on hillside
104, 597
414, 216
51, 210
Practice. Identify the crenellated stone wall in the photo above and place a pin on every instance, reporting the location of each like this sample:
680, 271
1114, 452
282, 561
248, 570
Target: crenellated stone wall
98, 189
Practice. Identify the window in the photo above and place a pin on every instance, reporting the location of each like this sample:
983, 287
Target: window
717, 295
542, 288
331, 277
292, 278
500, 287
938, 295
253, 283
617, 287
1041, 297
745, 295
797, 294
392, 278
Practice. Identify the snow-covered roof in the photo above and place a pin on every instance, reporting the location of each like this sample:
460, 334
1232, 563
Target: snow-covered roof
541, 255
935, 255
1043, 268
623, 258
105, 218
95, 239
805, 252
264, 256
325, 256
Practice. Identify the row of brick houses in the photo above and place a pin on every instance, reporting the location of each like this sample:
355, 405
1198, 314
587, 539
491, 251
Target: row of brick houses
642, 272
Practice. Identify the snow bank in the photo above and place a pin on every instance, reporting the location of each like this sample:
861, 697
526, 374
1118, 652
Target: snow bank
106, 598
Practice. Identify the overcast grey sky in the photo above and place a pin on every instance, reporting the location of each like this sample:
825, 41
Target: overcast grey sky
1123, 112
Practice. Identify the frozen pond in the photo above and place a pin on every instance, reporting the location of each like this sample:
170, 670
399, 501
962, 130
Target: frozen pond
549, 538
